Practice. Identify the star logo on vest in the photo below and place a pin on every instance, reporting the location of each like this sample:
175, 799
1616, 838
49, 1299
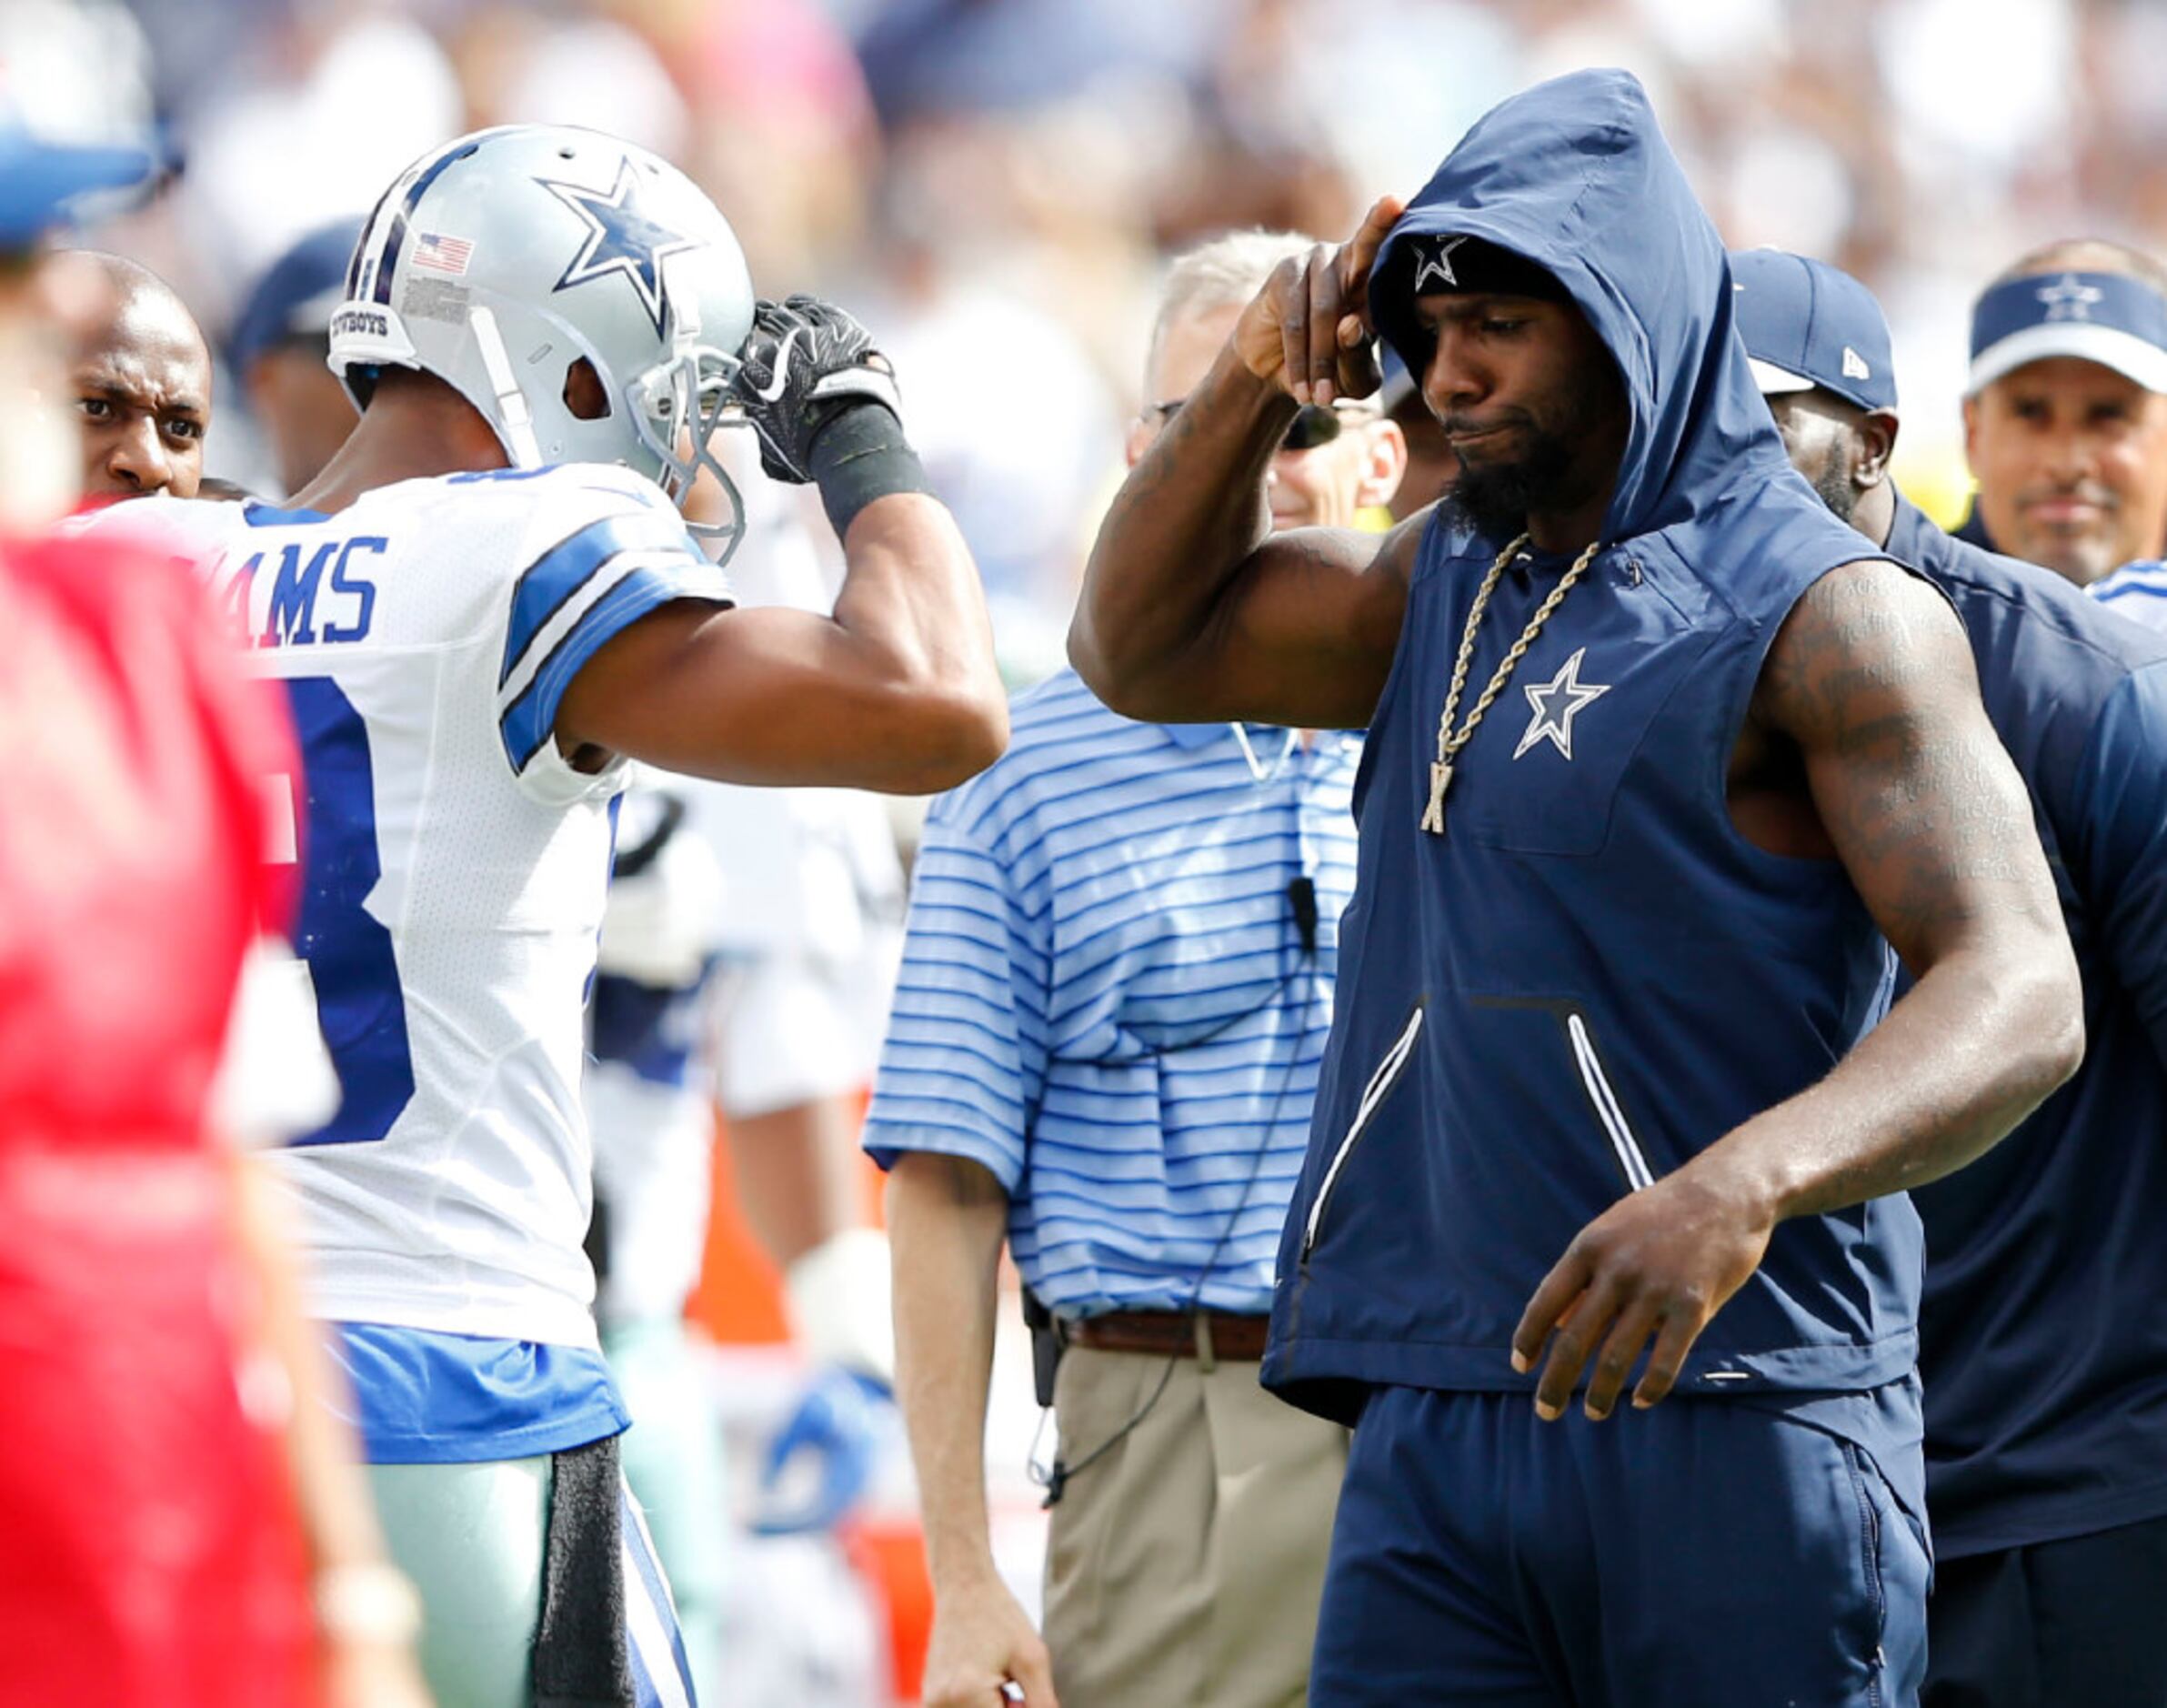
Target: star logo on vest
619, 239
2068, 300
1557, 703
1437, 265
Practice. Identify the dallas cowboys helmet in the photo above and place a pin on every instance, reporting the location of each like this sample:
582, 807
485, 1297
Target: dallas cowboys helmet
500, 260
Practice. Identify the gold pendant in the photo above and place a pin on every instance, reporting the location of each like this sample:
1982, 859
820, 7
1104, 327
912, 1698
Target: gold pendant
1441, 780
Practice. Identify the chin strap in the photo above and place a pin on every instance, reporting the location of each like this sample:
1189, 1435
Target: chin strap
504, 385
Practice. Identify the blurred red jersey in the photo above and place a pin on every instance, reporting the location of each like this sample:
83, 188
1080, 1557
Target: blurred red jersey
147, 1548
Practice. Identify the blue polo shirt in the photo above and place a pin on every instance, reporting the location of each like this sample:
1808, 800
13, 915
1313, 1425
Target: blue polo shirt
1105, 998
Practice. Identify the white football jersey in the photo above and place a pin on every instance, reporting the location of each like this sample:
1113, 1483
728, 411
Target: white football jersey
453, 866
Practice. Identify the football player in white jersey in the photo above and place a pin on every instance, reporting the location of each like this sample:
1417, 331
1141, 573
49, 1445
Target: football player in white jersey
480, 607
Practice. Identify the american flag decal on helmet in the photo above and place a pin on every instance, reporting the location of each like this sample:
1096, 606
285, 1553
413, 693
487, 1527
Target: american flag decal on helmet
441, 254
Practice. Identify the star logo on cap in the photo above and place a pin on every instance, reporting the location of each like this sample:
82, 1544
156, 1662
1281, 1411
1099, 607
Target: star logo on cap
1556, 703
620, 238
2068, 300
1437, 265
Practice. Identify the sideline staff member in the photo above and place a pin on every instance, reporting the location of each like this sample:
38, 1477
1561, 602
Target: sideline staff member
2043, 1327
2066, 421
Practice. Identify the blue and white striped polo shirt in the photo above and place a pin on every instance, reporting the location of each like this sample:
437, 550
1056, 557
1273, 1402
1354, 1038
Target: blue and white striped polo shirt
2137, 591
1105, 998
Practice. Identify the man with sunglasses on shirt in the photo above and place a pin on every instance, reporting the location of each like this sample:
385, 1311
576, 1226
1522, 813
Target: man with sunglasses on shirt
1117, 985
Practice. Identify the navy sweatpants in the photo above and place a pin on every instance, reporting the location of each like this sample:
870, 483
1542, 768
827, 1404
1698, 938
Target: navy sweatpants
2053, 1624
1703, 1554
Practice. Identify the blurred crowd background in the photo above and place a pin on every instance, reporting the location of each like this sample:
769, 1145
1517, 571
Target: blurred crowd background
992, 184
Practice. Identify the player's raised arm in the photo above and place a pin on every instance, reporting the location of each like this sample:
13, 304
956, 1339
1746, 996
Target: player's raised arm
897, 690
1193, 609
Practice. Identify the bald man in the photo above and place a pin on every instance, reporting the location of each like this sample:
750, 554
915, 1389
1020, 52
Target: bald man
141, 385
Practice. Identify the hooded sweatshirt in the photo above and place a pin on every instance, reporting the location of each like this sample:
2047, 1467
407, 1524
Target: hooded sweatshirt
1591, 975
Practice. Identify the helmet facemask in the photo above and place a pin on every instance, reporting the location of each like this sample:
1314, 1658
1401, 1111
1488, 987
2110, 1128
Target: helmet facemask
677, 407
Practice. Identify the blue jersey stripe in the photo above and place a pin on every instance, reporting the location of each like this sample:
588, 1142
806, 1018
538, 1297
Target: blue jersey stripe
526, 723
1104, 999
566, 567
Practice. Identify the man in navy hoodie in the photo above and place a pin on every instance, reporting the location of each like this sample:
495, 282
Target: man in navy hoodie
1657, 754
2043, 1328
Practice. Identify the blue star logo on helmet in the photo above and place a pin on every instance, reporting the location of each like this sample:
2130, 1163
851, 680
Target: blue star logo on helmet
620, 238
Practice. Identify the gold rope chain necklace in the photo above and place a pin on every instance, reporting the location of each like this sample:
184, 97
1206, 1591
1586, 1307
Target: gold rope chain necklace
1449, 741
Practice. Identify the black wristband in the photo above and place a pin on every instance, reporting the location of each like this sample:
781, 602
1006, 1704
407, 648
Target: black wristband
861, 454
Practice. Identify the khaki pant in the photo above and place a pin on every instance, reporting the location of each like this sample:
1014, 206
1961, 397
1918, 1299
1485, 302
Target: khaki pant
1184, 1566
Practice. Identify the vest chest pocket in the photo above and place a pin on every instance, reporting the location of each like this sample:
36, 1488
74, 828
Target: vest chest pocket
1542, 771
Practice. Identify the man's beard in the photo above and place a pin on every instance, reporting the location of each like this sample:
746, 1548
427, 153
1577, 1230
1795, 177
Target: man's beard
1834, 488
1496, 499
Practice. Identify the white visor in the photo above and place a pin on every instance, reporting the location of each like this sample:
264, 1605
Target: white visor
2128, 355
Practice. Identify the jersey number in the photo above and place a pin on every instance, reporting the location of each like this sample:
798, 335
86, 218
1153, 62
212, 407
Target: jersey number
348, 951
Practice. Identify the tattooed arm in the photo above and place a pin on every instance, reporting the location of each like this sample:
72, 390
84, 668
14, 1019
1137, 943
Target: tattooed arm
1193, 609
1870, 681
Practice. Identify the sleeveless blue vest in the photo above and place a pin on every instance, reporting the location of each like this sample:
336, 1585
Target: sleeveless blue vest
1591, 975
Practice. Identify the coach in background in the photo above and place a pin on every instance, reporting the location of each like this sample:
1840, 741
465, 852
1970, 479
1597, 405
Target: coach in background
2065, 423
2043, 1328
280, 349
1116, 990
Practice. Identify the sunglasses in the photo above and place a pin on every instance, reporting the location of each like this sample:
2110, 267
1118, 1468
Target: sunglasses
1314, 423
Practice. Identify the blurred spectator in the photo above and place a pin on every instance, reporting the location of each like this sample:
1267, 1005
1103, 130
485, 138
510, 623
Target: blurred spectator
529, 67
279, 351
141, 380
314, 113
2066, 419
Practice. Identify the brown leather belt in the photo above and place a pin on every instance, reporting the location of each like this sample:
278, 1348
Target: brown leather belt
1209, 1335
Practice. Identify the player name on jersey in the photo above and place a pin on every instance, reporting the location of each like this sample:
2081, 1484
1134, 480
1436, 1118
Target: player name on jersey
303, 592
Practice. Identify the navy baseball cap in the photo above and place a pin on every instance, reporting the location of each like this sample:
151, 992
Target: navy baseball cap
296, 294
2109, 318
1806, 324
40, 181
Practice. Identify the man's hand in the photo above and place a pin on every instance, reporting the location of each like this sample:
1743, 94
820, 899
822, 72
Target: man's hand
981, 1640
1663, 1261
1309, 331
804, 363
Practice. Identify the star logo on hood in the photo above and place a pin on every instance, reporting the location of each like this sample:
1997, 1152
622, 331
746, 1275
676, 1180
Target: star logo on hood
1437, 265
620, 238
1556, 704
2068, 300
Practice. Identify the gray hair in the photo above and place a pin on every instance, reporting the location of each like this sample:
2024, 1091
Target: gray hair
2088, 255
1221, 272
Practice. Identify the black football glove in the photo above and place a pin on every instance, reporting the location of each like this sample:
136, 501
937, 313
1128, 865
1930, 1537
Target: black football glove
804, 363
